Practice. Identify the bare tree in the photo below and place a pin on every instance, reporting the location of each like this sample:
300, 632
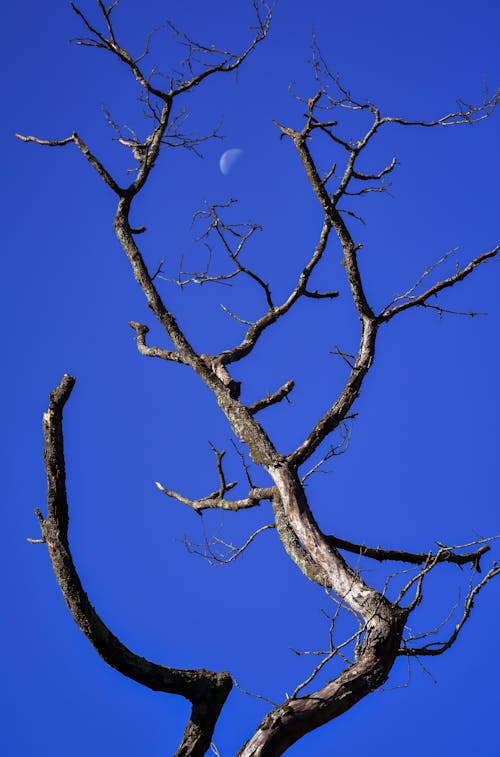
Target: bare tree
381, 613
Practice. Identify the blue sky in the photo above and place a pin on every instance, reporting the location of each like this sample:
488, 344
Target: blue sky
423, 459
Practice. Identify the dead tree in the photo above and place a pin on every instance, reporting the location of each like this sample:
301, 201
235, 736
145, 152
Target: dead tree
325, 559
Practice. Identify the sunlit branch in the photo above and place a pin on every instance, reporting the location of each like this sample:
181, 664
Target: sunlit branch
301, 557
46, 142
253, 694
214, 500
235, 317
341, 97
447, 311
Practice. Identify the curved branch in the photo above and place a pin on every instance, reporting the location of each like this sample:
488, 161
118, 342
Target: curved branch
294, 549
344, 580
206, 690
140, 338
289, 722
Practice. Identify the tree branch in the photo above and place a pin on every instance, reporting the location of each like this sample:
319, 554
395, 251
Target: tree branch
272, 399
339, 411
215, 500
275, 313
206, 690
445, 554
207, 550
369, 321
140, 338
421, 300
289, 722
110, 44
435, 648
230, 61
94, 162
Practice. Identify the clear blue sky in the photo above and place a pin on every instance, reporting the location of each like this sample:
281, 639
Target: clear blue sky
423, 460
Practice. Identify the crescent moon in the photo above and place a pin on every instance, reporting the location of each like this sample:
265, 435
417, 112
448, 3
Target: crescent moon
228, 159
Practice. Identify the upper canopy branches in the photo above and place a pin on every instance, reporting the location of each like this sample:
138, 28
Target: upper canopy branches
323, 116
325, 110
200, 61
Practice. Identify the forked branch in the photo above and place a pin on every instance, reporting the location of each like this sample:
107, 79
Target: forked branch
216, 501
274, 313
370, 322
434, 648
140, 339
421, 300
78, 141
217, 551
201, 60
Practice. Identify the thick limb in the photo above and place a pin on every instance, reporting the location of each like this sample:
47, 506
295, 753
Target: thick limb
206, 690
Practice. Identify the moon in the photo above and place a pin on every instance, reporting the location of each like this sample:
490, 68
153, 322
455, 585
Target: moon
228, 159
